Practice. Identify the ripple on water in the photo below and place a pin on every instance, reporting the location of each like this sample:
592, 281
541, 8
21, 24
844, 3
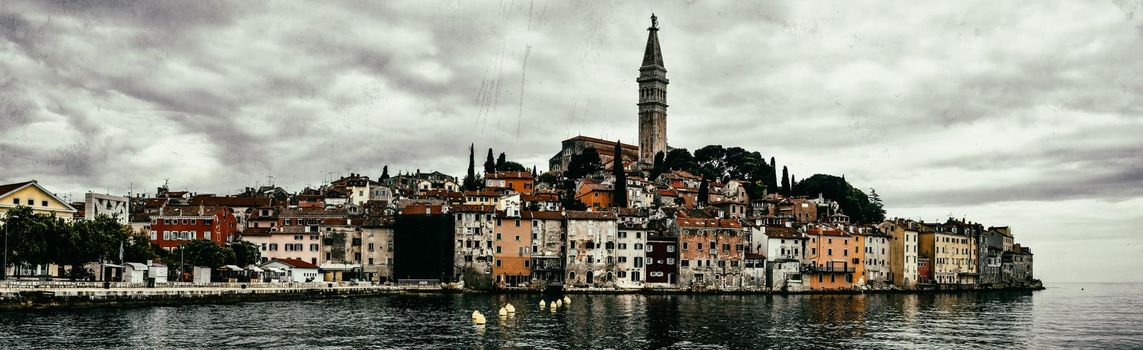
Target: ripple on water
1100, 316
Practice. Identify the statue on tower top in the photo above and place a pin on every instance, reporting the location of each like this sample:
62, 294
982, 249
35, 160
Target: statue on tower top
654, 21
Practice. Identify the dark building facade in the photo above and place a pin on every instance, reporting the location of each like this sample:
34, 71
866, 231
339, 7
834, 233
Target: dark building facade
662, 258
423, 247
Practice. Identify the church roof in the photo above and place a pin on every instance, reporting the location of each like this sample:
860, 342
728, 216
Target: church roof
653, 56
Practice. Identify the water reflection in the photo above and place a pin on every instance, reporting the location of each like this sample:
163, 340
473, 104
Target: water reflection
1053, 318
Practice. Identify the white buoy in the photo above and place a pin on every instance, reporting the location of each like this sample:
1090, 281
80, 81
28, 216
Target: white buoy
543, 304
511, 309
503, 312
553, 307
559, 303
478, 318
567, 300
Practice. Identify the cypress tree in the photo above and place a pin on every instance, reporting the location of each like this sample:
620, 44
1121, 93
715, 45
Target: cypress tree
657, 168
500, 161
785, 181
489, 164
704, 191
385, 169
470, 178
619, 197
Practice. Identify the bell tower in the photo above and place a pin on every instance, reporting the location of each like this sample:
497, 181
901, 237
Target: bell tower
652, 98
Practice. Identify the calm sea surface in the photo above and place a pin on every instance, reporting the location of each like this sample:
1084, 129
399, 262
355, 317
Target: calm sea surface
1063, 316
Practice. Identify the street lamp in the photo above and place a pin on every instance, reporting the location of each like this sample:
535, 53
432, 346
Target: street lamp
7, 229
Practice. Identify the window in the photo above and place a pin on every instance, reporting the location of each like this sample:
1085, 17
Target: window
670, 248
498, 252
273, 247
44, 203
16, 201
31, 202
166, 236
206, 235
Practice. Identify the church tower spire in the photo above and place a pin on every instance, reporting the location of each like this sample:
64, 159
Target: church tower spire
652, 98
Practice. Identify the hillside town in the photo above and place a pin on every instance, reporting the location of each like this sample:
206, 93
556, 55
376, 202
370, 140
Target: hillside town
605, 216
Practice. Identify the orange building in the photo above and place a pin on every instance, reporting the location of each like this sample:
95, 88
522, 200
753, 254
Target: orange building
519, 181
512, 266
594, 194
829, 257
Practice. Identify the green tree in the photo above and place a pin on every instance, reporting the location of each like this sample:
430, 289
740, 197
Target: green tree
245, 253
500, 160
853, 202
584, 163
567, 198
680, 159
35, 239
204, 252
385, 169
512, 166
619, 195
138, 247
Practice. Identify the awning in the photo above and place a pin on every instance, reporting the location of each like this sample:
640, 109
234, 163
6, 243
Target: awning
276, 269
232, 267
254, 268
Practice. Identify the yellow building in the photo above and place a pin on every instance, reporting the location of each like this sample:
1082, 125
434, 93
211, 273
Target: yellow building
902, 251
31, 194
951, 254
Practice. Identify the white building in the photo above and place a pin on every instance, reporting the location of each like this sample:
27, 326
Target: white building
134, 272
294, 270
630, 250
589, 234
473, 251
95, 204
876, 264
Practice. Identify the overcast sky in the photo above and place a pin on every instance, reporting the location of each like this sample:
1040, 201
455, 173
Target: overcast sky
1028, 114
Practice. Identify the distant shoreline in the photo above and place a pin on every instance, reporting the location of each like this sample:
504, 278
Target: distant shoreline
86, 298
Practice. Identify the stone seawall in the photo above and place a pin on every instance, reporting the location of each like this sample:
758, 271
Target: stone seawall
68, 298
56, 298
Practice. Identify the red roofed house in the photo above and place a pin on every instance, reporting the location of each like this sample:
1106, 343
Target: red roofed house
519, 181
594, 195
175, 225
